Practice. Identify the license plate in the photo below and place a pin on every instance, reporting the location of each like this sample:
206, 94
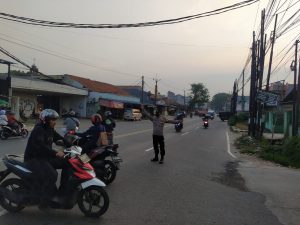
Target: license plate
84, 158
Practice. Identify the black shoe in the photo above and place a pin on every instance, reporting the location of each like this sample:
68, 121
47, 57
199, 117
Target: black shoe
161, 161
154, 159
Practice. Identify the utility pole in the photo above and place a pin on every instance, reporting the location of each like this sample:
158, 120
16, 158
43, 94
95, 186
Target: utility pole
251, 128
261, 72
156, 80
184, 100
234, 98
295, 113
273, 37
142, 95
243, 97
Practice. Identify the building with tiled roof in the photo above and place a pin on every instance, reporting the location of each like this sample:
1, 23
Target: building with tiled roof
102, 96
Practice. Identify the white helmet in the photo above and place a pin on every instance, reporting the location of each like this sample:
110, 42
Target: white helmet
72, 113
48, 114
2, 112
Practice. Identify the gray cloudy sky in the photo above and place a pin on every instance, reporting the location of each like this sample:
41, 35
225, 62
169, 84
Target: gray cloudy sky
211, 50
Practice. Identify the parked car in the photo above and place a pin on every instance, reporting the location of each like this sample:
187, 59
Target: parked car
132, 114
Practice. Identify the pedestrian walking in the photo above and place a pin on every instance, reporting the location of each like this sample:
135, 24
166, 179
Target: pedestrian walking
158, 121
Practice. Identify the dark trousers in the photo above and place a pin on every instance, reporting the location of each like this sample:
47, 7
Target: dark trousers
158, 140
45, 171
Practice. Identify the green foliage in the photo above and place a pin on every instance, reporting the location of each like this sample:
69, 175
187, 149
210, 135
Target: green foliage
199, 95
286, 154
246, 144
232, 120
241, 117
219, 100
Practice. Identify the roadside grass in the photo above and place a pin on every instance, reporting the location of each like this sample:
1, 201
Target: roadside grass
285, 154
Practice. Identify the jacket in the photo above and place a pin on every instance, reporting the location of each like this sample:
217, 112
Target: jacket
94, 131
109, 125
158, 123
39, 145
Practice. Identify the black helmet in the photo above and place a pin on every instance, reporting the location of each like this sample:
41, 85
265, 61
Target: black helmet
48, 114
107, 113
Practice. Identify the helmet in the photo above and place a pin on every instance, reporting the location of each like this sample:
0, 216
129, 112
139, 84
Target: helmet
2, 112
72, 113
48, 114
96, 118
107, 113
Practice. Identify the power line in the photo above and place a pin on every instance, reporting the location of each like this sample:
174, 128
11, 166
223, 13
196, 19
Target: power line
37, 22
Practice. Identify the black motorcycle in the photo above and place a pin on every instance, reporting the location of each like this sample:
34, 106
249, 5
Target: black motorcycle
106, 162
82, 187
178, 126
7, 131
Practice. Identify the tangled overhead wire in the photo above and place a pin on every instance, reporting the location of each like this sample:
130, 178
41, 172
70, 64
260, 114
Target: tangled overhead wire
37, 22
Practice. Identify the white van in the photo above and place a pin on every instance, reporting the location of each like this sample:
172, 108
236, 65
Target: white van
132, 114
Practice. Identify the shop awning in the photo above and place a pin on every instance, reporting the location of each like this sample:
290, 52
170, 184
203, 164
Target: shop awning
45, 86
111, 104
3, 103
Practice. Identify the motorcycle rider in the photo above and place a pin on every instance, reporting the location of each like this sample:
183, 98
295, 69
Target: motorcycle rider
90, 138
13, 122
179, 117
40, 156
109, 125
71, 122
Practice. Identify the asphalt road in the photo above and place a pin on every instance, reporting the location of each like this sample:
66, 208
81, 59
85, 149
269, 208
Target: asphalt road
198, 184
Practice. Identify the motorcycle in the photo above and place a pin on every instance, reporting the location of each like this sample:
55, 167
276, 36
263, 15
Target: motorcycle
178, 126
82, 188
205, 124
7, 131
106, 170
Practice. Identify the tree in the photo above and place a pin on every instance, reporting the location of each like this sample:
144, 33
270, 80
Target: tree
199, 95
218, 101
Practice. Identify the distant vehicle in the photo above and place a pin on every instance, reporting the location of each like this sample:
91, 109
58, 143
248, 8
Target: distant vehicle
211, 114
225, 115
132, 114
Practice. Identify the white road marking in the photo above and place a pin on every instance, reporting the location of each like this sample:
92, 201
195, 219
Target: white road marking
133, 133
136, 132
3, 212
228, 146
149, 149
185, 133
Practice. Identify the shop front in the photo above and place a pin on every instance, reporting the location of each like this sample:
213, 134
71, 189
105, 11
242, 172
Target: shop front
31, 96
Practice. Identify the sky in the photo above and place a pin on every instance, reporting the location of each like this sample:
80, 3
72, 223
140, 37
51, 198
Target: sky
210, 50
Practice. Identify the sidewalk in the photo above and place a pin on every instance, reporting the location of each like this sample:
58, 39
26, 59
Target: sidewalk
279, 185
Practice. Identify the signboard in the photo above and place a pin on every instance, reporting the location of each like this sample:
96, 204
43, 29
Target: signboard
269, 98
111, 104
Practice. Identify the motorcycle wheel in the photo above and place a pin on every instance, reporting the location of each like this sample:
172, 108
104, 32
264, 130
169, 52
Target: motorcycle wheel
110, 172
14, 185
4, 135
93, 198
24, 133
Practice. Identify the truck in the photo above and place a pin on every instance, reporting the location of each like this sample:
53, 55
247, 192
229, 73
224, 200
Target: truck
225, 115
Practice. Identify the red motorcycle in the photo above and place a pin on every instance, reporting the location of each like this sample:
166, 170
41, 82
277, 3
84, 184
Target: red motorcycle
83, 188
